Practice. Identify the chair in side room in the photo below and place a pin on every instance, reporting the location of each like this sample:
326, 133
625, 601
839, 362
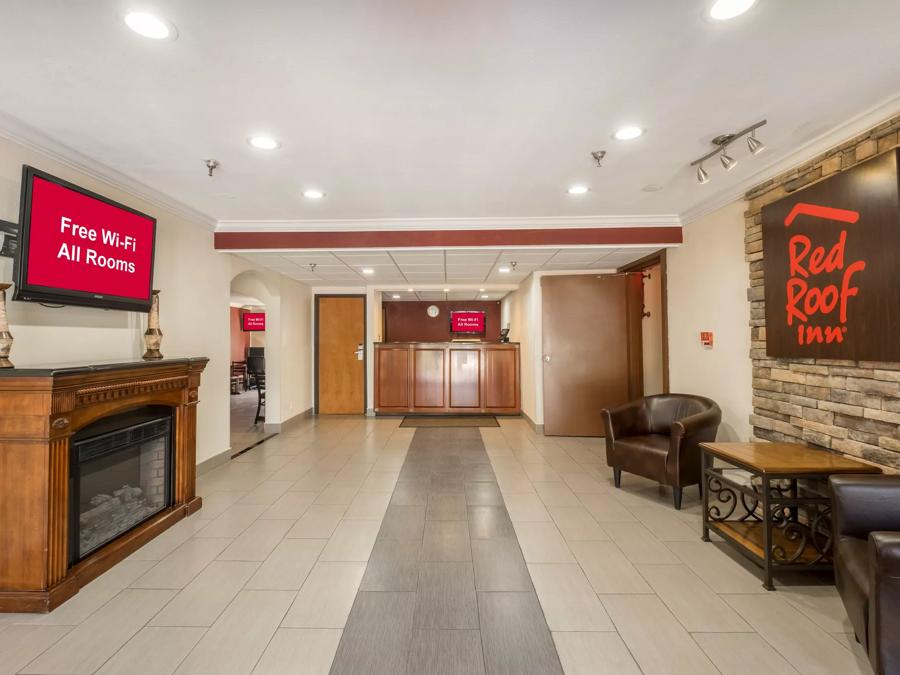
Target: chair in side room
865, 514
658, 437
256, 368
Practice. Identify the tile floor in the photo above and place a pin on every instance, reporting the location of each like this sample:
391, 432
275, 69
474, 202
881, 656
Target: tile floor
293, 539
245, 432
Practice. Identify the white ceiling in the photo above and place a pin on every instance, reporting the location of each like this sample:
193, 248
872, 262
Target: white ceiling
461, 270
410, 109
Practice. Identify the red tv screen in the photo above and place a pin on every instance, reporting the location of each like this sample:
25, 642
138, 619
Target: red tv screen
79, 248
253, 321
467, 322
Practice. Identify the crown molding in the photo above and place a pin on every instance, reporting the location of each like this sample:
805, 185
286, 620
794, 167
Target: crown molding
19, 132
843, 132
403, 224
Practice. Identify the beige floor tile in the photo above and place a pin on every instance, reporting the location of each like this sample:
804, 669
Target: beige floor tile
96, 594
582, 482
806, 646
19, 645
664, 524
368, 506
743, 654
567, 599
848, 640
178, 568
326, 597
538, 470
215, 503
822, 604
639, 545
575, 523
338, 492
153, 651
692, 602
594, 654
556, 494
315, 480
267, 493
605, 509
719, 570
352, 541
542, 543
202, 600
234, 520
607, 568
656, 640
257, 541
380, 481
526, 508
288, 565
234, 643
86, 647
319, 522
175, 536
290, 506
309, 651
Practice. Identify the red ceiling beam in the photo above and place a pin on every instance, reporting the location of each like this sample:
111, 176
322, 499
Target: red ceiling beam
561, 237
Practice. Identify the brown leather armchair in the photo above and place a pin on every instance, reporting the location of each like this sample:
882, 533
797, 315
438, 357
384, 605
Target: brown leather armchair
866, 521
658, 437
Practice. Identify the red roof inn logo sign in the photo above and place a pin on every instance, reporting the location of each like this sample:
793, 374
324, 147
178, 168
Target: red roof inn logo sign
832, 267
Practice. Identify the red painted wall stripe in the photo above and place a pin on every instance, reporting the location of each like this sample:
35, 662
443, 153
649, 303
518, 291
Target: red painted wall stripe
608, 236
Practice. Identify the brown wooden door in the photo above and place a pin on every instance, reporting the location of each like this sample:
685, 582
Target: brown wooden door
591, 349
340, 349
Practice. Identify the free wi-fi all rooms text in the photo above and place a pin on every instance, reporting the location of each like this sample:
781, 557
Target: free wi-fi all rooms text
74, 251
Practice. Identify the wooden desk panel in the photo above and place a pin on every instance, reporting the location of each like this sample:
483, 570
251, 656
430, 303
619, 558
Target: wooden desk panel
447, 378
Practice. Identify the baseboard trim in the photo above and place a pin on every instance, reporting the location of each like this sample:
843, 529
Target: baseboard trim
213, 462
278, 427
538, 428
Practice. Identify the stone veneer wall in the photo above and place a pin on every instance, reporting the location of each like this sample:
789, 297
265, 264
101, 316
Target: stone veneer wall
851, 407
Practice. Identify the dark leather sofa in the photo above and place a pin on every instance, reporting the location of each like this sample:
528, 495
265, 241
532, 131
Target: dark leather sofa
658, 437
866, 521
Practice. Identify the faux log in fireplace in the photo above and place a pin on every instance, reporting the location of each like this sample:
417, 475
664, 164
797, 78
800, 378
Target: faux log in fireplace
95, 461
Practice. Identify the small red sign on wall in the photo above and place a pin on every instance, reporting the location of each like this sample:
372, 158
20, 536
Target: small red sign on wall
471, 323
253, 321
706, 338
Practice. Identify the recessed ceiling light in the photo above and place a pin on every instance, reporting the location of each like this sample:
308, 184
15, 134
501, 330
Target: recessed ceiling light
446, 290
503, 270
652, 187
722, 10
578, 190
396, 296
264, 143
150, 26
484, 297
481, 290
628, 133
367, 270
409, 290
313, 194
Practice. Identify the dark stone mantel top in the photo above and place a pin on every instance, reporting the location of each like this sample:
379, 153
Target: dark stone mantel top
74, 368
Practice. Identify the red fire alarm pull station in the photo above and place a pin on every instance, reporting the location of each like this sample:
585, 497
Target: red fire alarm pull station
706, 338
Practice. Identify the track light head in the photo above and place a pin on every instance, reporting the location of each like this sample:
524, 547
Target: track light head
728, 162
756, 146
702, 175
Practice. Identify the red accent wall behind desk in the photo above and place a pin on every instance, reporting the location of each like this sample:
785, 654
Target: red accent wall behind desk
239, 339
408, 322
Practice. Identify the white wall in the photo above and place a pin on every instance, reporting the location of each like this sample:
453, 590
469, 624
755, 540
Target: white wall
707, 291
296, 336
521, 309
194, 299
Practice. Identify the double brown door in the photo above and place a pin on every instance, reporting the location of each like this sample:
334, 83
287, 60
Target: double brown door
340, 355
591, 349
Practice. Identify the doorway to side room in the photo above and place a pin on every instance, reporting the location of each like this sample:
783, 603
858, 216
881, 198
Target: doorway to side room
340, 354
247, 372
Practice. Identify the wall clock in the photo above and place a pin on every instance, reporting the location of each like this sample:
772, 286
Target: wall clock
433, 311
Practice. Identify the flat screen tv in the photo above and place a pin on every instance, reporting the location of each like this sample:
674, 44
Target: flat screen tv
80, 248
253, 322
467, 322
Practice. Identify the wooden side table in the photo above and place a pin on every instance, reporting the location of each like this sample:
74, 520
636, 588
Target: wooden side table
771, 501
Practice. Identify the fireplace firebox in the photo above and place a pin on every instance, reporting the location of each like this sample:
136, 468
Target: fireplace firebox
120, 476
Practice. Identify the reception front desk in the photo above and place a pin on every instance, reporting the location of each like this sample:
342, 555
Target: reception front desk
447, 378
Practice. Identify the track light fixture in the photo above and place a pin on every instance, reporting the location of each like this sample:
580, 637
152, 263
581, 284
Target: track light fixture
721, 144
702, 175
756, 146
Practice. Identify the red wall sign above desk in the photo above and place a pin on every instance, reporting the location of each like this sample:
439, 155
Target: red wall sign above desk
467, 322
253, 321
832, 282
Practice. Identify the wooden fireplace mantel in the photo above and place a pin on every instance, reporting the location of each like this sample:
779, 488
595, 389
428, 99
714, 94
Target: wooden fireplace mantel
40, 410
